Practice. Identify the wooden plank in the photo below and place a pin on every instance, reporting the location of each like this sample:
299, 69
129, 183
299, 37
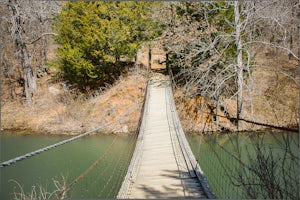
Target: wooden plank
160, 174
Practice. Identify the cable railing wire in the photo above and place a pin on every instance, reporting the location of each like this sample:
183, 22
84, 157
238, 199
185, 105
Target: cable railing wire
134, 160
107, 169
124, 163
223, 186
186, 148
86, 172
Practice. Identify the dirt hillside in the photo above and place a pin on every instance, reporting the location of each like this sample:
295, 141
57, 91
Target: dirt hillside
271, 97
56, 110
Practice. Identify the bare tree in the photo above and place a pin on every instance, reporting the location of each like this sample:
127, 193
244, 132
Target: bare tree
208, 49
18, 35
27, 25
276, 25
212, 45
239, 60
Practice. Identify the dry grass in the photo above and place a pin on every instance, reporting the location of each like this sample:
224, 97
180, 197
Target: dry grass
272, 97
275, 95
40, 192
273, 100
56, 109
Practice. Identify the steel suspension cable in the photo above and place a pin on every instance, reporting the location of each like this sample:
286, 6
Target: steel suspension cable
33, 153
254, 122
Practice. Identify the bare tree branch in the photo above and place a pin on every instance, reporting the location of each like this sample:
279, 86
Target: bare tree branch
275, 46
40, 37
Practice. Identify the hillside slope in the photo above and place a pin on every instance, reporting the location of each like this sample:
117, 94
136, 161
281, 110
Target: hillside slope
57, 110
271, 96
273, 99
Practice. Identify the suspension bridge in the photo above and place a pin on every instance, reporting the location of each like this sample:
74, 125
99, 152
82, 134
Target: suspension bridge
162, 165
155, 163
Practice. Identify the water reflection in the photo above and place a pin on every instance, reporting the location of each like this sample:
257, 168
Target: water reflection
230, 161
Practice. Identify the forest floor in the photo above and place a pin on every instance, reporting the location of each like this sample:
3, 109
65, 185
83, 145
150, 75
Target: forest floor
58, 110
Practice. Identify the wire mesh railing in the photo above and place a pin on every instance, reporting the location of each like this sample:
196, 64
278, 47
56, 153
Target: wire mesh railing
249, 165
106, 172
185, 147
103, 178
132, 169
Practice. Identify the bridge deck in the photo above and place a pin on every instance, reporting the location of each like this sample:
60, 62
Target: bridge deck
159, 169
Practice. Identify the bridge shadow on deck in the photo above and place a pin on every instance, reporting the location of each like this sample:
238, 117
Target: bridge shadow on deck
172, 184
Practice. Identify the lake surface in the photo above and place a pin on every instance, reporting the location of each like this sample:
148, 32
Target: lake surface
213, 152
257, 159
68, 161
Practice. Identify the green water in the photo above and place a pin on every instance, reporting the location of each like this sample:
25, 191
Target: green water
68, 161
217, 156
213, 152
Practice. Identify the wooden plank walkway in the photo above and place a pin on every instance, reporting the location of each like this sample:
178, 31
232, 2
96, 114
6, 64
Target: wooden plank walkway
159, 167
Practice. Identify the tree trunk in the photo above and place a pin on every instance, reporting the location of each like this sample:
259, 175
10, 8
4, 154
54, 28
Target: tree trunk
29, 78
291, 33
149, 60
298, 18
0, 96
17, 35
239, 61
217, 112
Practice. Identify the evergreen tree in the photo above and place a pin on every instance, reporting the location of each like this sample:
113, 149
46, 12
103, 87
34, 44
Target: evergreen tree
95, 35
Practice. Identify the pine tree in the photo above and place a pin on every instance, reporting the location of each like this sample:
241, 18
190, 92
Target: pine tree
95, 35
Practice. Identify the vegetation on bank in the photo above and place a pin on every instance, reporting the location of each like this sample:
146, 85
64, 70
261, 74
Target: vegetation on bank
219, 49
227, 59
96, 38
59, 110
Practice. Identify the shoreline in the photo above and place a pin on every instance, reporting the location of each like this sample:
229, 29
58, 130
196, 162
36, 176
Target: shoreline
16, 131
62, 113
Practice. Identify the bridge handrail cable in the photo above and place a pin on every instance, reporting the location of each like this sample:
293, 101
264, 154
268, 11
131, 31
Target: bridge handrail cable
177, 149
184, 145
137, 151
